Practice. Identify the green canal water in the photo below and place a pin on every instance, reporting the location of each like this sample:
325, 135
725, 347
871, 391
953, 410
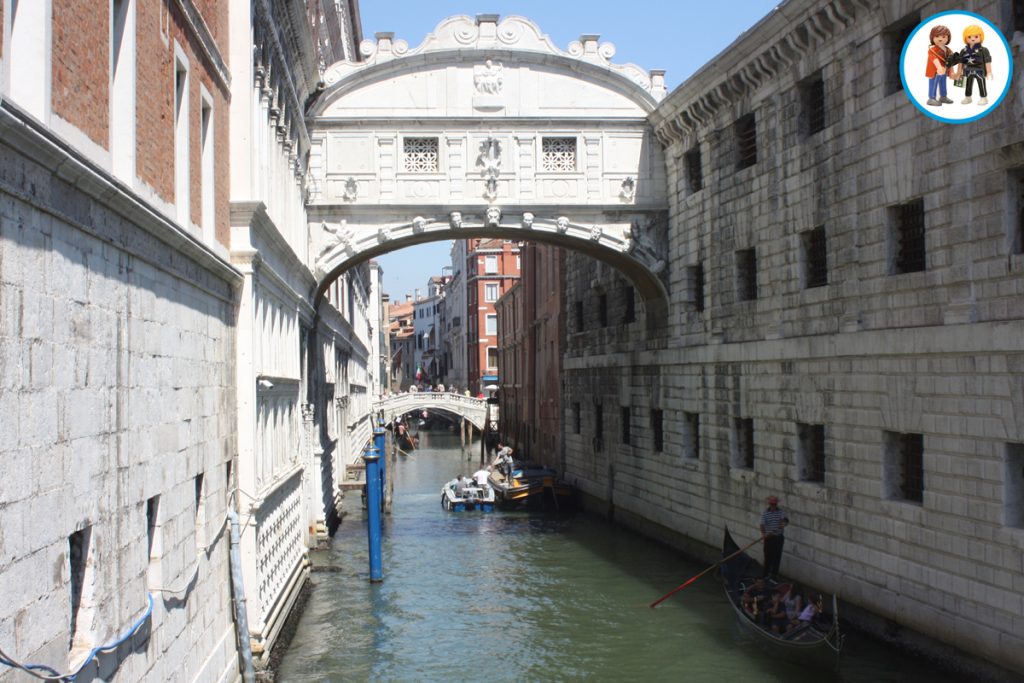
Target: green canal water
520, 597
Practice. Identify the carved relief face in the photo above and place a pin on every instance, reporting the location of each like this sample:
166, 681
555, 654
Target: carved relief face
527, 220
493, 215
562, 224
384, 234
419, 224
455, 219
596, 232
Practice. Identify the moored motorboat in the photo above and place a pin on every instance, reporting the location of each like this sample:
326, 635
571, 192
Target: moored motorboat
532, 486
819, 634
472, 497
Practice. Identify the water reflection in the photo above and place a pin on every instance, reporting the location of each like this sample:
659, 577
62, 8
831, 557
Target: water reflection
521, 597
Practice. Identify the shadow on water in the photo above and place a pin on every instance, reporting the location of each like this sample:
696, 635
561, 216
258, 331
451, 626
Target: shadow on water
525, 596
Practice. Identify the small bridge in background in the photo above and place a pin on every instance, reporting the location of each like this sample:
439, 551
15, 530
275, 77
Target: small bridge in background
476, 411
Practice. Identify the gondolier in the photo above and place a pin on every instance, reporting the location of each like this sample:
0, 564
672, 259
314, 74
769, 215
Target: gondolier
773, 522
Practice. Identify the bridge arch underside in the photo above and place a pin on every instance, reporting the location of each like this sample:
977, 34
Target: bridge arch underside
392, 413
626, 243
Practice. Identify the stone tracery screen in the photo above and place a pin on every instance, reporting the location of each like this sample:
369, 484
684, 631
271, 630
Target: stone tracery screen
420, 155
558, 154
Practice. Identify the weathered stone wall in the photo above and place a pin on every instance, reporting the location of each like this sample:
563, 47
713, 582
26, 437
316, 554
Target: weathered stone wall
116, 389
868, 355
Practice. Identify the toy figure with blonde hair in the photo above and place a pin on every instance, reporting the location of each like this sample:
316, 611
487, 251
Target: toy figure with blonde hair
975, 64
938, 56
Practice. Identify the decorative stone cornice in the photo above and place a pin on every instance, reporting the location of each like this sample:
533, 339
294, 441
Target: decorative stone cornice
767, 51
480, 38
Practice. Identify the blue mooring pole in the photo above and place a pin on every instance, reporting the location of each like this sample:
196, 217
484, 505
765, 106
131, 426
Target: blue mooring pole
378, 445
373, 502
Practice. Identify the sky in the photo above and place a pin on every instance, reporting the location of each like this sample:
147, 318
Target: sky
678, 36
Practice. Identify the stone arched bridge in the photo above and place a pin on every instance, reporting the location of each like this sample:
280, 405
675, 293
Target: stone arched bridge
474, 410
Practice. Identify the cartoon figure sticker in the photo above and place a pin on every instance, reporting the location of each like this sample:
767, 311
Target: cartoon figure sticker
956, 67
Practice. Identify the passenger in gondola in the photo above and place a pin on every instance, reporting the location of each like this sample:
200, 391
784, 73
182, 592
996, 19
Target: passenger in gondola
811, 612
754, 599
776, 616
794, 602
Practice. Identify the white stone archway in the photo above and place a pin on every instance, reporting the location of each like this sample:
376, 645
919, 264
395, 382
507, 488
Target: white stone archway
487, 129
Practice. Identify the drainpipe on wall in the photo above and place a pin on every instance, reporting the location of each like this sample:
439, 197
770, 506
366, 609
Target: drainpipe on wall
238, 593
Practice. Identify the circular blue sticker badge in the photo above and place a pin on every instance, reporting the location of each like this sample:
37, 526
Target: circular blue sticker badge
956, 67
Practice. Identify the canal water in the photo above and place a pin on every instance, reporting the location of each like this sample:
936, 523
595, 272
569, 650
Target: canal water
523, 597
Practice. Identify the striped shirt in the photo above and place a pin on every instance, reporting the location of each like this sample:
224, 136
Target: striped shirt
772, 521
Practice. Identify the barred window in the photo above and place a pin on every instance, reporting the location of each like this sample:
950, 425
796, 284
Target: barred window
743, 435
811, 452
694, 174
908, 244
746, 141
576, 418
558, 154
1017, 212
904, 466
746, 275
695, 274
812, 101
691, 435
420, 155
894, 38
1013, 498
625, 420
815, 257
602, 310
658, 429
578, 314
629, 298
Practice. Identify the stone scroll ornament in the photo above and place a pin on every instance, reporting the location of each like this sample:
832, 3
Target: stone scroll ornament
642, 244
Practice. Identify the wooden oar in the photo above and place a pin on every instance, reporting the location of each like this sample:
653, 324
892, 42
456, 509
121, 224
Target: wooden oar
692, 579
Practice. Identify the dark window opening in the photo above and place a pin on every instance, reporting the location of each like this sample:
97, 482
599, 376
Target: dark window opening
696, 277
657, 428
602, 310
578, 314
629, 297
908, 237
694, 174
746, 141
1017, 208
1013, 511
815, 257
746, 274
1017, 12
893, 39
744, 443
78, 559
624, 413
811, 456
598, 427
812, 104
575, 418
691, 436
905, 466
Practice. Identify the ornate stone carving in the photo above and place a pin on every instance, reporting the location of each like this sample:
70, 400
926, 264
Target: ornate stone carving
562, 224
527, 220
493, 216
383, 235
308, 412
487, 79
351, 190
490, 160
341, 235
455, 219
642, 244
628, 191
596, 232
419, 224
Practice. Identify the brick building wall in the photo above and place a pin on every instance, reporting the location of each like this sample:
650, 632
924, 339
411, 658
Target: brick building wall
882, 403
81, 63
494, 264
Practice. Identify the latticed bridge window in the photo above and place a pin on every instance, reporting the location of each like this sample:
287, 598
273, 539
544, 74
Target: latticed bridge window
420, 155
558, 154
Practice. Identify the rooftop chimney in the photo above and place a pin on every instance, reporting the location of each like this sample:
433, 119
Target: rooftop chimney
416, 296
408, 298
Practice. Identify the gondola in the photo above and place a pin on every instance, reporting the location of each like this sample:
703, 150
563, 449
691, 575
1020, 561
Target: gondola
816, 638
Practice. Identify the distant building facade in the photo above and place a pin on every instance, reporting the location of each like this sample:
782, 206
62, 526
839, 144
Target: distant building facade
492, 266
